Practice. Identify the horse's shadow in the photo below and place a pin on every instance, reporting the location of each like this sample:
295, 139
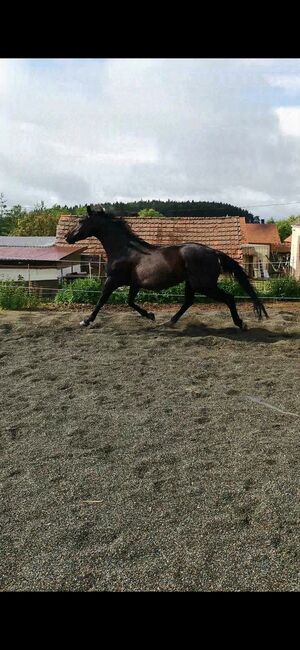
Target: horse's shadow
251, 335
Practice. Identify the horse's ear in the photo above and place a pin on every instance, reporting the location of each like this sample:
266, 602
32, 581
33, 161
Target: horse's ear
98, 207
94, 209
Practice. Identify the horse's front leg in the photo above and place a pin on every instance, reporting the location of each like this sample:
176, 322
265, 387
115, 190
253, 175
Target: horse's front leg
109, 286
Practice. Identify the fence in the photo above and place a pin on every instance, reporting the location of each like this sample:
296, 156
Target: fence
87, 267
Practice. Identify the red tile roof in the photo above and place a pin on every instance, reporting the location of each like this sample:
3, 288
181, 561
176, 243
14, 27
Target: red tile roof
223, 233
259, 233
37, 254
284, 247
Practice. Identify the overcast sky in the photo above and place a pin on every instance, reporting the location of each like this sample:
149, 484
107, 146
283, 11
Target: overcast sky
96, 130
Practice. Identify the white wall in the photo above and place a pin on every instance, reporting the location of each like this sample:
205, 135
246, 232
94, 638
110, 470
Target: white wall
35, 274
295, 251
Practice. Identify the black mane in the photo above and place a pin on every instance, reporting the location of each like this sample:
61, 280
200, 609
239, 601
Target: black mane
133, 240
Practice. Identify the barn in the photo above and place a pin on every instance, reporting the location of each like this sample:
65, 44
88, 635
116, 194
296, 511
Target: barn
38, 261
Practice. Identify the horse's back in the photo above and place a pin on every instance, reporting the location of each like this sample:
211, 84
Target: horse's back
201, 263
166, 266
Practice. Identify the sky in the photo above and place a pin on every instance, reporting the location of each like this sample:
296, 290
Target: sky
77, 131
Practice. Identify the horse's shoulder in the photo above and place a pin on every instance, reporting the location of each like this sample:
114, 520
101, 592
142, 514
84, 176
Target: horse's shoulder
122, 262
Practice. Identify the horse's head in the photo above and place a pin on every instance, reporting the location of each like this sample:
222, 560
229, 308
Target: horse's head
87, 225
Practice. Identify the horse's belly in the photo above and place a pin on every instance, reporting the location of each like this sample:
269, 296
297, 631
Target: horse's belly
154, 282
157, 276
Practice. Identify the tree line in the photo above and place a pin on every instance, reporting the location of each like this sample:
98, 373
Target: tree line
42, 221
181, 209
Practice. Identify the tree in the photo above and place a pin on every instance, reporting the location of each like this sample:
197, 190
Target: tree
9, 222
42, 221
149, 212
284, 226
37, 223
8, 217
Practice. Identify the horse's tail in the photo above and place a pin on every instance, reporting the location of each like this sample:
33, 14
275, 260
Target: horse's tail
229, 265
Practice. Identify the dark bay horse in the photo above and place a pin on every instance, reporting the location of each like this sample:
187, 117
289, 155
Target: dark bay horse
135, 263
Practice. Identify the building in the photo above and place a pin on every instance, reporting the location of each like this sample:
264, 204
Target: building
43, 265
263, 252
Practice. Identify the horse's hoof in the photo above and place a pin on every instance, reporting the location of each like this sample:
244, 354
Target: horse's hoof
167, 323
151, 316
84, 323
244, 327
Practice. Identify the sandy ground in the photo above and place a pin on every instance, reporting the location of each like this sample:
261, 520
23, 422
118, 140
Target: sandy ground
137, 457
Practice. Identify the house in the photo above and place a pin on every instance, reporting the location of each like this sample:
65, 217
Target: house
263, 252
38, 261
295, 251
223, 233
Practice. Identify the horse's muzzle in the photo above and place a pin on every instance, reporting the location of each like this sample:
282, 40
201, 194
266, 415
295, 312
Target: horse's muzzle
70, 239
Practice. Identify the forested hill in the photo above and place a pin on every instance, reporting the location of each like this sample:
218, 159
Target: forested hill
42, 221
182, 209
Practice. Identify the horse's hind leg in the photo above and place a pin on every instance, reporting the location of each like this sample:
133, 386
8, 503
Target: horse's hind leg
222, 296
189, 295
133, 291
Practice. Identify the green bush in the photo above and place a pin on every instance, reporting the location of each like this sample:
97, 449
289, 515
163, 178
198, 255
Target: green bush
232, 286
87, 291
15, 295
83, 291
119, 297
279, 287
171, 295
163, 297
283, 287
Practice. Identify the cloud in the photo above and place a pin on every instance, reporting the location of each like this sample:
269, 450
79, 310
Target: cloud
290, 83
123, 129
289, 120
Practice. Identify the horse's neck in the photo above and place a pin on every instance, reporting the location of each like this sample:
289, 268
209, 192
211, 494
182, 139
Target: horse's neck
114, 244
